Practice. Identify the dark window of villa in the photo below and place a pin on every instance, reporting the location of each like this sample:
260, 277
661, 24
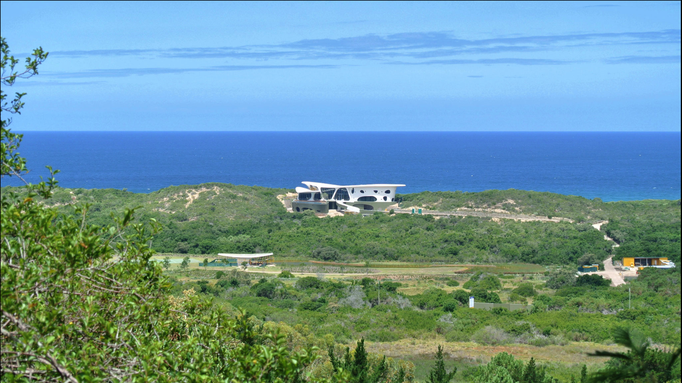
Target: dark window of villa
362, 191
318, 196
367, 198
342, 194
387, 192
328, 192
385, 199
368, 207
352, 190
304, 196
298, 208
376, 192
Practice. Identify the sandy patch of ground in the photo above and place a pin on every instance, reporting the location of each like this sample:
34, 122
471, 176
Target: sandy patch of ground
194, 194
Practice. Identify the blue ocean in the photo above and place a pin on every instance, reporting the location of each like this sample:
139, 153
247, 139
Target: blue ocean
612, 166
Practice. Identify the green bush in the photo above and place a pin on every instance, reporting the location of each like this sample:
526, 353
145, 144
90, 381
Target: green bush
482, 295
452, 283
514, 297
483, 281
391, 287
309, 283
561, 278
525, 290
311, 305
285, 274
592, 280
328, 254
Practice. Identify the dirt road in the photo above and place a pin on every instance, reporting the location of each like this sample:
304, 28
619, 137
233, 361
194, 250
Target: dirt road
611, 273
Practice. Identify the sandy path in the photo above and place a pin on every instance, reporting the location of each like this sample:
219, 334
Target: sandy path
609, 271
612, 273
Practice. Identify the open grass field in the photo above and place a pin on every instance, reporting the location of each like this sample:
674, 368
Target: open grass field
383, 269
560, 361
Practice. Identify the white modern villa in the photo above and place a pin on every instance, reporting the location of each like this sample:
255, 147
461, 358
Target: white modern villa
320, 197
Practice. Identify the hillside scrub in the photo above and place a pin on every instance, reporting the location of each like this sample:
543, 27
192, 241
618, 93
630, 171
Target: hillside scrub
214, 217
350, 309
240, 219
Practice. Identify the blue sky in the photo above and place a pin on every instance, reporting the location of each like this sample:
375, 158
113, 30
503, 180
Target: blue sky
356, 66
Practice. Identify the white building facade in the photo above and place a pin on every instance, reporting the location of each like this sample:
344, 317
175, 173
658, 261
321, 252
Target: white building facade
322, 197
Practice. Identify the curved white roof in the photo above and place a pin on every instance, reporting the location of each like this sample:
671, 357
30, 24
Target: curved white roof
324, 185
303, 190
245, 256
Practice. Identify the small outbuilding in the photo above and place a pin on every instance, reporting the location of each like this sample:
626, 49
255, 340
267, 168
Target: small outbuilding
262, 259
589, 268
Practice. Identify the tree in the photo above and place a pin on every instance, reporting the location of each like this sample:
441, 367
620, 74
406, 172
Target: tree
166, 263
361, 370
12, 164
503, 368
640, 364
531, 373
438, 374
205, 262
185, 263
583, 374
85, 302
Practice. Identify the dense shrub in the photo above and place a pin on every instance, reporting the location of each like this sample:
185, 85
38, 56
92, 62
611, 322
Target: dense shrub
431, 298
483, 281
309, 283
391, 287
461, 296
525, 290
268, 290
481, 295
592, 280
311, 305
561, 278
285, 274
328, 254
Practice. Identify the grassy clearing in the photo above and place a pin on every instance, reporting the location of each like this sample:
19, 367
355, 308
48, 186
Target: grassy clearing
561, 361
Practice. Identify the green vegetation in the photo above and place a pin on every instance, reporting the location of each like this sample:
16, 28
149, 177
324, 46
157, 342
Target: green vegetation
439, 374
503, 368
644, 238
239, 219
212, 218
547, 204
83, 299
641, 363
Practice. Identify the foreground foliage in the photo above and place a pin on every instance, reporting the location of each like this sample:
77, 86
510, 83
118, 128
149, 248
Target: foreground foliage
641, 363
84, 303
